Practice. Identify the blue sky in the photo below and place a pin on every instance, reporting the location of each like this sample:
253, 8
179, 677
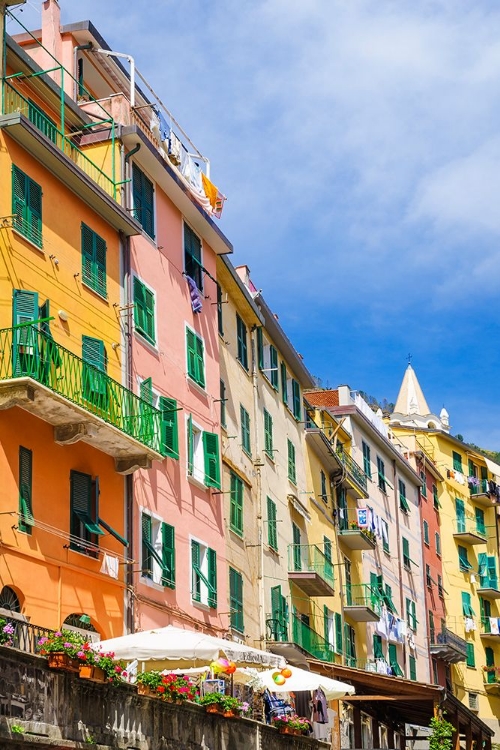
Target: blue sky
358, 143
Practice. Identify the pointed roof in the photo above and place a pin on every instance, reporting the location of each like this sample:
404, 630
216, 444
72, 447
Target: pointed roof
411, 399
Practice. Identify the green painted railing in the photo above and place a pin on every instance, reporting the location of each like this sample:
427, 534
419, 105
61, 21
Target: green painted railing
363, 595
13, 101
488, 628
353, 468
491, 675
311, 641
469, 526
27, 352
309, 558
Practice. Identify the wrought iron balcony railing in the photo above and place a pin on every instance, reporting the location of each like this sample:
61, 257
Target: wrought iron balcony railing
353, 468
308, 558
363, 595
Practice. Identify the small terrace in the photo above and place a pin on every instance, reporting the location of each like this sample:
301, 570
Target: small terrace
295, 638
310, 569
491, 679
355, 475
471, 531
490, 629
350, 533
80, 400
480, 492
447, 646
362, 603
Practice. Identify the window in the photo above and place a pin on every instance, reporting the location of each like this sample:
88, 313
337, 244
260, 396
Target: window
236, 600
296, 400
487, 568
378, 652
158, 551
437, 537
93, 261
203, 574
26, 521
366, 460
426, 532
411, 614
84, 525
143, 200
284, 383
385, 535
291, 393
329, 628
94, 379
428, 578
406, 554
169, 426
144, 310
463, 559
471, 657
423, 486
267, 355
440, 587
203, 455
223, 399
195, 357
272, 526
194, 268
350, 645
324, 494
460, 515
480, 526
381, 474
297, 548
457, 462
26, 206
268, 435
292, 473
467, 610
403, 502
279, 612
241, 336
338, 633
435, 498
412, 663
245, 430
393, 660
220, 322
236, 510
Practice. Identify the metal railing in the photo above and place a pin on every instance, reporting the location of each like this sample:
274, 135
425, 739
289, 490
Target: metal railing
363, 595
445, 637
311, 641
478, 487
309, 558
488, 626
491, 675
15, 102
27, 352
352, 468
26, 636
469, 526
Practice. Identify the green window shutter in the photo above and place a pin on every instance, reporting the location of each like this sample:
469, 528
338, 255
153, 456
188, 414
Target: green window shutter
195, 358
93, 260
236, 600
94, 381
93, 352
326, 629
144, 310
423, 486
27, 206
366, 460
190, 445
146, 540
406, 553
437, 537
268, 434
19, 196
393, 660
220, 319
241, 331
492, 572
413, 667
403, 502
460, 513
169, 426
490, 656
236, 509
195, 562
435, 497
83, 511
292, 473
297, 549
143, 196
26, 520
297, 410
467, 610
168, 555
211, 459
200, 361
272, 530
480, 527
457, 462
463, 560
284, 383
274, 374
245, 430
146, 390
260, 348
378, 652
192, 256
426, 532
381, 474
212, 578
25, 339
338, 633
471, 657
482, 562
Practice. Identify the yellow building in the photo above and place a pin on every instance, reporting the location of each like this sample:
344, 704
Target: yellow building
469, 548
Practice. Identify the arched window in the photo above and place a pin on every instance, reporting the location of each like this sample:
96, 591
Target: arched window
9, 600
81, 624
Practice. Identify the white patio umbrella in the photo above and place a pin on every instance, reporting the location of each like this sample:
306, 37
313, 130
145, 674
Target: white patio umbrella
170, 645
303, 680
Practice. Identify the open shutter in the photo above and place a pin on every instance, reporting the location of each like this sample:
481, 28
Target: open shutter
148, 216
169, 427
284, 383
212, 577
137, 193
460, 511
100, 265
146, 390
482, 561
211, 458
274, 375
272, 534
25, 490
168, 555
492, 572
260, 349
83, 501
377, 647
139, 305
34, 215
338, 632
19, 195
200, 364
195, 562
149, 314
296, 399
25, 347
147, 558
190, 445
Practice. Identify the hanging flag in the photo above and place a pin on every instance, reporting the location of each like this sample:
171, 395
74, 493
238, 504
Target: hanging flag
362, 518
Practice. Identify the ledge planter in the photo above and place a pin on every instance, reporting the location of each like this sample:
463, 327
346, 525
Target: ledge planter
92, 673
60, 660
146, 690
213, 708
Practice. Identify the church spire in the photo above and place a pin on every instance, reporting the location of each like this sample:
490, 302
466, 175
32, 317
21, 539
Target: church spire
411, 399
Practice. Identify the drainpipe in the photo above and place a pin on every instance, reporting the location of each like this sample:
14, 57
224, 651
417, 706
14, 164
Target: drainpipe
76, 50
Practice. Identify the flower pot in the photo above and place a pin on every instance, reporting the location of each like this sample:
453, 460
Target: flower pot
145, 690
213, 708
229, 714
60, 660
91, 672
286, 730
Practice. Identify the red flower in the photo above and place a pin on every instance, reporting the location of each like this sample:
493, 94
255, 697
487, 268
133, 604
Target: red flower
160, 689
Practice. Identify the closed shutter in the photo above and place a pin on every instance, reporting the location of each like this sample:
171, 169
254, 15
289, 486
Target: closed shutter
94, 384
268, 434
492, 572
190, 445
245, 430
146, 390
467, 610
406, 553
25, 490
291, 462
211, 459
191, 355
236, 509
27, 206
144, 310
471, 657
460, 511
393, 660
149, 314
482, 561
284, 383
297, 411
169, 427
83, 513
377, 647
143, 197
87, 256
34, 216
236, 599
241, 331
200, 361
168, 555
338, 633
426, 532
274, 367
212, 578
25, 345
272, 532
19, 199
297, 556
413, 667
93, 260
480, 527
146, 541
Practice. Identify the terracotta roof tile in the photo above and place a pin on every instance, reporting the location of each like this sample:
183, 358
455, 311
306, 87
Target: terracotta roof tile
323, 398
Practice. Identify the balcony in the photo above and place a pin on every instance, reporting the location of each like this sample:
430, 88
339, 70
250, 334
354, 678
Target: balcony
295, 641
355, 475
447, 646
491, 679
356, 538
323, 448
309, 569
78, 399
490, 629
469, 531
362, 603
479, 491
488, 587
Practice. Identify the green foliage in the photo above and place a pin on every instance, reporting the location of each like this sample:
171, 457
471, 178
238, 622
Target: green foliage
442, 732
17, 729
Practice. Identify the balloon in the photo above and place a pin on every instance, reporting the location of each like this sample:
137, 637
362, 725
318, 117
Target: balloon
231, 669
223, 663
215, 667
279, 679
286, 672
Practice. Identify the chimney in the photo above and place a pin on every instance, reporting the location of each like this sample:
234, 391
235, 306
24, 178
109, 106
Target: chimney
51, 37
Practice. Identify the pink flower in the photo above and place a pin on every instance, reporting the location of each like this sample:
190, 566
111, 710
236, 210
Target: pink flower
42, 641
58, 634
67, 645
81, 655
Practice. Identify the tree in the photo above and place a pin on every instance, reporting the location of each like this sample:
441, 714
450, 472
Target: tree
442, 732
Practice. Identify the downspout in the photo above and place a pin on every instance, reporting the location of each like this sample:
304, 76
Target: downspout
75, 68
260, 504
127, 334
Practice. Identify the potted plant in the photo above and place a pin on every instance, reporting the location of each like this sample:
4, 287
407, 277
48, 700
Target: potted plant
62, 649
231, 706
148, 682
175, 688
302, 725
6, 632
213, 702
100, 666
284, 724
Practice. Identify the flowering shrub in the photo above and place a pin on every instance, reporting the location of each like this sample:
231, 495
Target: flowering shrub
176, 687
6, 632
113, 670
63, 641
151, 679
291, 721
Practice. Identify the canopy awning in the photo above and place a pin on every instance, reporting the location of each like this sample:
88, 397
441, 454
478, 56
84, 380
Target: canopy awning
301, 679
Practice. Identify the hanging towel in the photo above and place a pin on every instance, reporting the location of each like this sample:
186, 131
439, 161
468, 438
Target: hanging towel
494, 629
194, 292
174, 149
110, 565
470, 625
